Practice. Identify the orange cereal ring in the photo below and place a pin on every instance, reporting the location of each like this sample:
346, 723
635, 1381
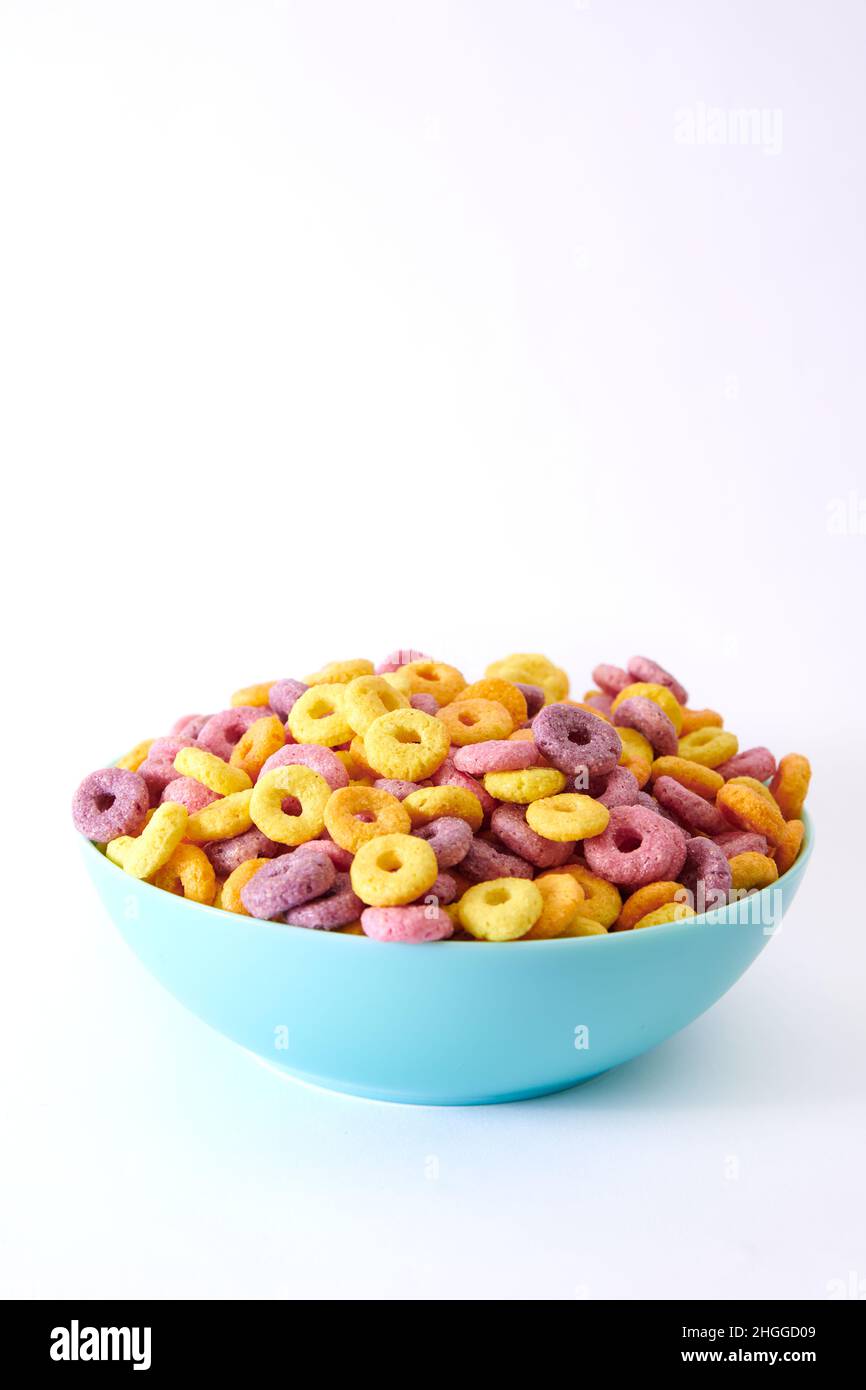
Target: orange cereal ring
699, 719
254, 747
434, 678
189, 873
669, 912
340, 672
562, 896
358, 754
291, 780
647, 899
406, 744
789, 845
751, 870
254, 696
503, 692
637, 754
695, 777
366, 698
709, 746
429, 803
317, 716
659, 694
756, 786
791, 783
356, 814
602, 901
748, 810
476, 721
230, 893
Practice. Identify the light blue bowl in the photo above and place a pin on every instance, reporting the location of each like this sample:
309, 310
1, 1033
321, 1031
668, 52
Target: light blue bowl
452, 1023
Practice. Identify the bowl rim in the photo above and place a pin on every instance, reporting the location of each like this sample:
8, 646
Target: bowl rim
716, 917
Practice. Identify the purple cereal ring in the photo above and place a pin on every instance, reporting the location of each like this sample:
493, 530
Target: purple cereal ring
158, 768
394, 660
534, 697
189, 725
411, 925
396, 787
638, 712
617, 788
576, 741
508, 824
186, 791
443, 889
287, 882
637, 847
449, 838
484, 861
222, 731
424, 702
226, 855
706, 874
336, 908
311, 755
110, 802
283, 694
339, 857
741, 842
496, 755
641, 668
693, 810
752, 762
598, 700
449, 776
611, 679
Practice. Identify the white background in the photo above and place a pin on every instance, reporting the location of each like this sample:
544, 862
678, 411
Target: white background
331, 327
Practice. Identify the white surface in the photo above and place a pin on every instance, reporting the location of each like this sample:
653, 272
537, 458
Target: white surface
328, 328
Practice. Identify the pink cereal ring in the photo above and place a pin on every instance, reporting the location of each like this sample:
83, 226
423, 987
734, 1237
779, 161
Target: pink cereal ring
190, 725
706, 873
282, 696
637, 847
394, 660
484, 861
449, 776
644, 799
186, 791
496, 755
752, 762
641, 668
158, 768
449, 837
109, 803
396, 787
734, 842
222, 731
693, 810
336, 908
649, 719
411, 925
340, 858
424, 702
508, 824
600, 701
576, 741
617, 788
611, 679
321, 760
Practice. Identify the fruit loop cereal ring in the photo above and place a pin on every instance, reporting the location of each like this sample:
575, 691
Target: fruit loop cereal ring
189, 726
703, 781
791, 783
341, 672
531, 668
788, 846
752, 762
611, 679
602, 901
142, 856
131, 761
284, 883
693, 810
502, 909
307, 787
706, 874
568, 817
397, 788
212, 772
617, 788
749, 870
562, 896
256, 695
434, 678
393, 870
317, 716
531, 784
501, 692
186, 791
473, 721
311, 755
636, 848
443, 890
449, 837
429, 803
407, 744
747, 809
354, 815
509, 825
484, 862
533, 695
222, 820
637, 754
228, 855
424, 702
641, 668
409, 925
222, 731
283, 694
741, 842
230, 894
584, 926
669, 912
659, 694
648, 899
262, 739
649, 719
598, 702
188, 873
336, 908
110, 803
158, 769
339, 857
449, 776
694, 719
367, 697
709, 746
756, 786
402, 657
575, 741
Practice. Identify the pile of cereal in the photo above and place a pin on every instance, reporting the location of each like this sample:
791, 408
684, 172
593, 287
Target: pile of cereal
403, 803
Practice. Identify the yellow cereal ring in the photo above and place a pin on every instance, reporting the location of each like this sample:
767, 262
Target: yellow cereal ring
789, 845
669, 912
749, 810
213, 773
222, 820
366, 698
659, 694
602, 901
272, 789
393, 869
569, 816
751, 870
503, 693
502, 909
637, 754
188, 873
695, 777
647, 899
581, 925
429, 803
255, 696
699, 719
529, 785
434, 678
561, 895
791, 783
354, 815
317, 716
406, 744
340, 672
132, 760
475, 721
531, 668
230, 895
254, 747
142, 855
709, 746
